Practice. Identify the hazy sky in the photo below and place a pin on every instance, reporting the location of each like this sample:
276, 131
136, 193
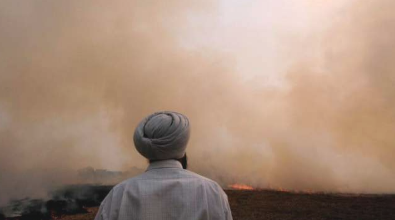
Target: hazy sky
261, 36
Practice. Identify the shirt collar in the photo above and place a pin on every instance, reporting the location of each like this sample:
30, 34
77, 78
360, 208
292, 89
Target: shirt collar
164, 164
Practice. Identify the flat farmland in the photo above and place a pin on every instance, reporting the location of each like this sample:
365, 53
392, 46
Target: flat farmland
245, 205
275, 205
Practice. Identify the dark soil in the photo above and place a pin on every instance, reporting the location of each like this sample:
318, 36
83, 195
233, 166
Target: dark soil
275, 205
272, 205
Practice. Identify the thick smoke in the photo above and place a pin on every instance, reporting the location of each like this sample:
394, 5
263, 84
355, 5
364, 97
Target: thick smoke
76, 78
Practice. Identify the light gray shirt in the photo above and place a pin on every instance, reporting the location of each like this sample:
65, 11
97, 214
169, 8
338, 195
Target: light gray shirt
166, 192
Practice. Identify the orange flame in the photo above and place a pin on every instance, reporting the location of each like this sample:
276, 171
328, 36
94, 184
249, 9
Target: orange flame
241, 187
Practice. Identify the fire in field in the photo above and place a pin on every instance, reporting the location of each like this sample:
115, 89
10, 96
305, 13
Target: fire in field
291, 103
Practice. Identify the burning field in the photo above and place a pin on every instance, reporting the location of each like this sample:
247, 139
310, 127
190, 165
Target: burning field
81, 203
295, 95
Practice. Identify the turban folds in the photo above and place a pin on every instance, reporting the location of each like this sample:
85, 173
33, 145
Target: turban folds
162, 136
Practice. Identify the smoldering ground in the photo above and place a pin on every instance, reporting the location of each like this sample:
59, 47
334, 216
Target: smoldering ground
76, 78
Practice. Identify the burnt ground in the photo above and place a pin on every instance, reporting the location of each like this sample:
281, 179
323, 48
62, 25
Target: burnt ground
272, 205
275, 205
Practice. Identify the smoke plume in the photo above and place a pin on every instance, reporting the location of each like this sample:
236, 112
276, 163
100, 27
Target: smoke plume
76, 78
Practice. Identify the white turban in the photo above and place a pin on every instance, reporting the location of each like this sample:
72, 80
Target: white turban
162, 136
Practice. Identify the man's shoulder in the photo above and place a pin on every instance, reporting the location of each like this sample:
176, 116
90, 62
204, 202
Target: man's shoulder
182, 174
123, 184
198, 176
206, 181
